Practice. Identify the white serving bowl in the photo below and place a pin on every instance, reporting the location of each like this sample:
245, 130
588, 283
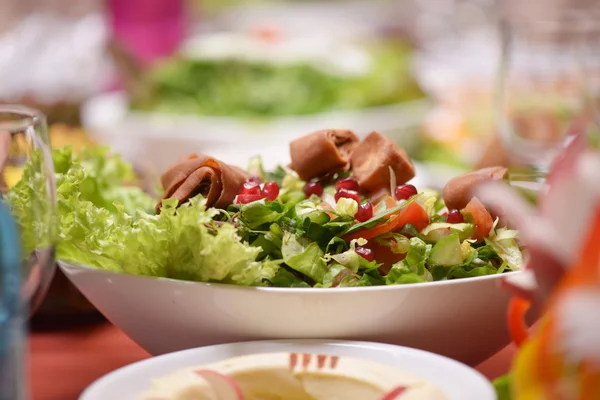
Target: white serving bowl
461, 319
157, 140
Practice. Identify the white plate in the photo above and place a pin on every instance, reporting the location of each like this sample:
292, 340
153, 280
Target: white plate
456, 380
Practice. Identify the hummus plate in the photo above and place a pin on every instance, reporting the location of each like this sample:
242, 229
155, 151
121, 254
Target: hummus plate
300, 369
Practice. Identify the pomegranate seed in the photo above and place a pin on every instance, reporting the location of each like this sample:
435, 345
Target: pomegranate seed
313, 188
365, 253
444, 214
349, 194
247, 198
365, 212
270, 190
455, 217
404, 192
254, 179
250, 188
347, 183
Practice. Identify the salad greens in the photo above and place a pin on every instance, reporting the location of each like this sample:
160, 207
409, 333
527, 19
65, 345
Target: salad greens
105, 221
232, 87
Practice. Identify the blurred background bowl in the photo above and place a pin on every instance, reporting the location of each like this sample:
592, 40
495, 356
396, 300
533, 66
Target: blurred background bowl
462, 319
158, 140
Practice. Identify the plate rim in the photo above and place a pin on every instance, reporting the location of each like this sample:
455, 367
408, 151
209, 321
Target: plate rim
454, 365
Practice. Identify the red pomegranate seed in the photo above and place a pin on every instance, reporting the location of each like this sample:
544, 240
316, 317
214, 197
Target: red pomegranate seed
455, 217
250, 188
254, 179
347, 183
270, 190
349, 194
365, 253
404, 192
247, 198
313, 188
365, 212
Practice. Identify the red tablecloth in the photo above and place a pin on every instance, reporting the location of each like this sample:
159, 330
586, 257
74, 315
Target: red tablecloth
64, 363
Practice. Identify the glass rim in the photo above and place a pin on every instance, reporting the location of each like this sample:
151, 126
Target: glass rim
25, 117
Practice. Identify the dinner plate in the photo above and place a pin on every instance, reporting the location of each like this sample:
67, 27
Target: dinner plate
455, 380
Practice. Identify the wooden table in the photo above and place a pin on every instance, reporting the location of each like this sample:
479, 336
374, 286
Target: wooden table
64, 363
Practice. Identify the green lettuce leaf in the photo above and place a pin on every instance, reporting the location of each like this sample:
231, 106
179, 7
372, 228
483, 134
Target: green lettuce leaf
258, 213
372, 278
508, 250
402, 274
108, 180
304, 256
285, 278
181, 243
412, 269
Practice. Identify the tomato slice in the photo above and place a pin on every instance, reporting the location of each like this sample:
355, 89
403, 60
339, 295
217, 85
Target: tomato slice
481, 218
384, 255
412, 214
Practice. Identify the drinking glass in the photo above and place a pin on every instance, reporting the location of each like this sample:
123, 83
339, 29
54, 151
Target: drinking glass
541, 95
27, 234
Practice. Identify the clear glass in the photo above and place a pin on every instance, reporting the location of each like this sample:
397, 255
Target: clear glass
542, 89
27, 234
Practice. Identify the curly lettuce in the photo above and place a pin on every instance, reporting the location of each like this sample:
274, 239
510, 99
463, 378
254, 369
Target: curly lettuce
105, 224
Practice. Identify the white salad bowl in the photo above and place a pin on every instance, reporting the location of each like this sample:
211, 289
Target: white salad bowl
462, 319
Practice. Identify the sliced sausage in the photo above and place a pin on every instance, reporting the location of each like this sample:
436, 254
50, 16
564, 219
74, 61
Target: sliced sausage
371, 162
322, 152
218, 182
458, 191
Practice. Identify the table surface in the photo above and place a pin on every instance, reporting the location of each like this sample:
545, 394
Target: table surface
63, 363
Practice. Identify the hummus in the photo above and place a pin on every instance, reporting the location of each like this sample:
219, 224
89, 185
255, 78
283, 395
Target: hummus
292, 376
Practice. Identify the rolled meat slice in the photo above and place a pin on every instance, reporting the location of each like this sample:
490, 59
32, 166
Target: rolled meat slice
322, 152
458, 191
371, 162
218, 182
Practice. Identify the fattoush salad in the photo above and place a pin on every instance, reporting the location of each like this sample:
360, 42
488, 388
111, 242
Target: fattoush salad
341, 214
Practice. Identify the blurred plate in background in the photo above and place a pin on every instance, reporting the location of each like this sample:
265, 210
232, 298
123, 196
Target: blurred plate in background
157, 140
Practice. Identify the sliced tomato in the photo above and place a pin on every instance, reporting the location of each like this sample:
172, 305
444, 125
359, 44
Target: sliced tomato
412, 214
481, 218
384, 255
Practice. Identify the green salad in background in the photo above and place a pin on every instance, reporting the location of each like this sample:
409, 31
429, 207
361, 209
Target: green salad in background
290, 239
248, 87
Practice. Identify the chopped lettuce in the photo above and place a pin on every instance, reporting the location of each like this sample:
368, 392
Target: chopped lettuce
438, 230
431, 201
346, 207
259, 213
412, 268
181, 243
304, 256
507, 248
